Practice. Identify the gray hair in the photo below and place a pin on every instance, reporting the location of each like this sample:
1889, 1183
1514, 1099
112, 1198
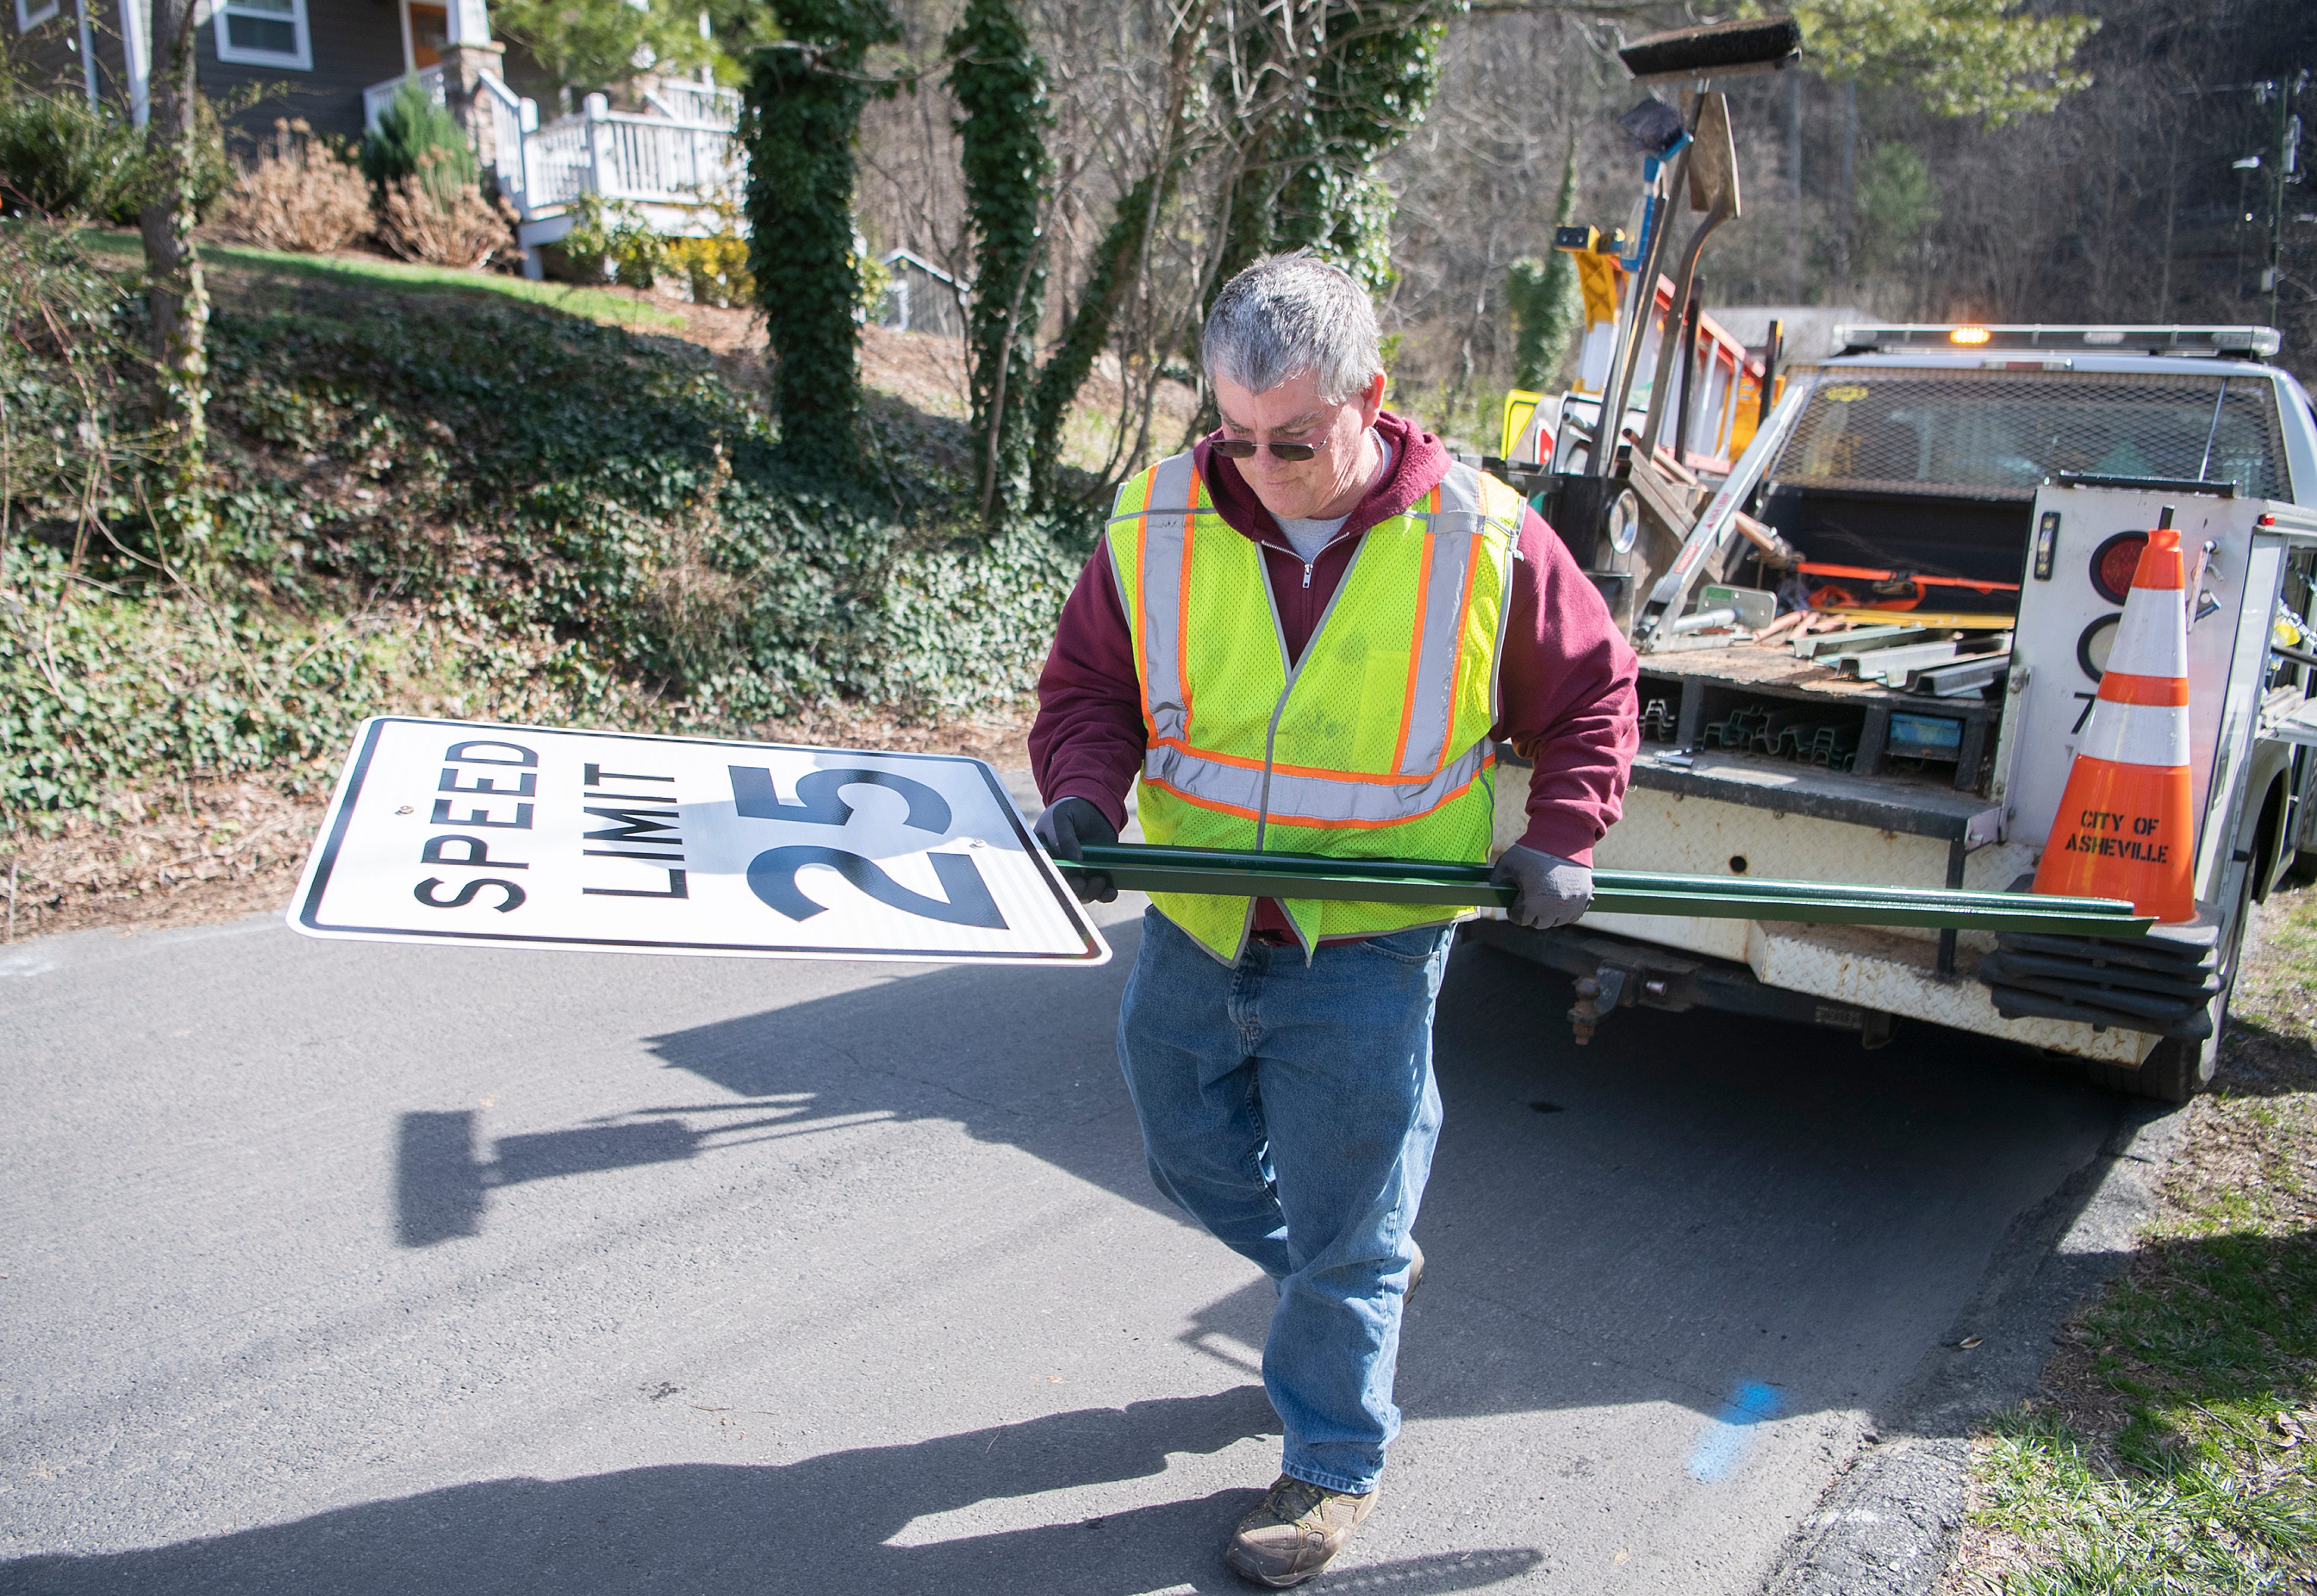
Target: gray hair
1289, 314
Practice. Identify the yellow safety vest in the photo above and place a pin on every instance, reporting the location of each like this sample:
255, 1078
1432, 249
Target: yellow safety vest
1373, 745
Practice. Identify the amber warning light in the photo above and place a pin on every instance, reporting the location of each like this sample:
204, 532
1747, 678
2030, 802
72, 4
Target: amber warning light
2238, 342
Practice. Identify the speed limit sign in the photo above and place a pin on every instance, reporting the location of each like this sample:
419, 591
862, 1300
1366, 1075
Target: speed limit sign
454, 832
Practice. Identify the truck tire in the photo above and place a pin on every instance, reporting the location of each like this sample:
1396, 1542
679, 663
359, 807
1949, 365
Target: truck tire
2272, 850
2178, 1070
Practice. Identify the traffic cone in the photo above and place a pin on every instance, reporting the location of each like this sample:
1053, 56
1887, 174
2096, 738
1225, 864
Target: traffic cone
2124, 827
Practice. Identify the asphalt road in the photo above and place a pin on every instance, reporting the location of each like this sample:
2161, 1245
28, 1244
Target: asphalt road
336, 1267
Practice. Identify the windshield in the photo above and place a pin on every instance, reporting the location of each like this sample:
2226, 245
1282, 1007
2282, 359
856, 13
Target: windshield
2000, 434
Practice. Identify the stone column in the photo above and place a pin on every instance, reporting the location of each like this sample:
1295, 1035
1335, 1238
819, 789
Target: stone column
463, 66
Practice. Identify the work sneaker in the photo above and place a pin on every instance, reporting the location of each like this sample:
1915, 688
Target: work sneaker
1295, 1533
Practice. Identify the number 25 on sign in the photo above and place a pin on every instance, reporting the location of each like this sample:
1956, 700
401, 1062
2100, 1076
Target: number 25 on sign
456, 833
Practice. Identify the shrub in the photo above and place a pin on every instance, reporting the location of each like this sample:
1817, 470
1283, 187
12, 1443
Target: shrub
300, 196
60, 157
63, 159
1897, 202
617, 548
717, 267
68, 348
876, 282
614, 240
410, 130
463, 230
100, 691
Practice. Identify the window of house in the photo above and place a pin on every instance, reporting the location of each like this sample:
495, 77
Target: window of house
264, 34
32, 14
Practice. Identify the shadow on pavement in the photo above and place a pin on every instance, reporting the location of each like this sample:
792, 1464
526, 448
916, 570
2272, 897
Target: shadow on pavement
822, 1526
441, 1183
1693, 1208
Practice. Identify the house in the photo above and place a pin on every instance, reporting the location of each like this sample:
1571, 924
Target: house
315, 58
338, 64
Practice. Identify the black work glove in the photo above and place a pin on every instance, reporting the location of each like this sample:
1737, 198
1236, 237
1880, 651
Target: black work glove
1551, 891
1065, 828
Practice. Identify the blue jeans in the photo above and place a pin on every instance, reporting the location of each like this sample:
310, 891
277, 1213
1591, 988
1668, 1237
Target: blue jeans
1290, 1110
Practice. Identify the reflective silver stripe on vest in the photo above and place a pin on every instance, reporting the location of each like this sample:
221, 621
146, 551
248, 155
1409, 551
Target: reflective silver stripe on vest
1165, 531
1312, 798
1454, 531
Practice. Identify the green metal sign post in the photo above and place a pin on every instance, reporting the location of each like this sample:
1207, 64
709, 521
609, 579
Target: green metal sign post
1145, 868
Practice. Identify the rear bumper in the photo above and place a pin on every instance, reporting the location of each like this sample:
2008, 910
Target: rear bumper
1658, 978
1738, 816
1845, 977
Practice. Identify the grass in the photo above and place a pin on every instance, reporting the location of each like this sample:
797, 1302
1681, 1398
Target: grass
2175, 1447
595, 304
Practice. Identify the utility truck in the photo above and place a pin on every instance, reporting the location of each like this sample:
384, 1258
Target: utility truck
1872, 626
1870, 645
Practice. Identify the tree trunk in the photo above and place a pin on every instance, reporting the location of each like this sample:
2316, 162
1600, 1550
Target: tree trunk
2168, 131
1119, 268
1795, 251
801, 117
995, 434
1845, 224
177, 296
998, 79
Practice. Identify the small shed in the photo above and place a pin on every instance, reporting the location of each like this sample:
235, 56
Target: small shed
922, 297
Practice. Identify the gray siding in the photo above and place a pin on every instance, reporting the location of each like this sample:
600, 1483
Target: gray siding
49, 52
355, 44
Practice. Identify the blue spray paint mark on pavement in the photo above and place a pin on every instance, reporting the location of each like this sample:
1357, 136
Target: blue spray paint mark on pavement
1729, 1431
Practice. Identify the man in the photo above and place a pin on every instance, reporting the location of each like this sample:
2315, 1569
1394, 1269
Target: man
1308, 636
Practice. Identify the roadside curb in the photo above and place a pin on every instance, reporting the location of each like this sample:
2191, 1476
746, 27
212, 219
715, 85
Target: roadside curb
1887, 1524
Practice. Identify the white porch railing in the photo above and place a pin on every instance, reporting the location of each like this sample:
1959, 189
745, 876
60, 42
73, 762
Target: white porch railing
560, 162
514, 119
651, 159
703, 102
380, 95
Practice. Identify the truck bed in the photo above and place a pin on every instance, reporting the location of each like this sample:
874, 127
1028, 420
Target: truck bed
1910, 804
1684, 694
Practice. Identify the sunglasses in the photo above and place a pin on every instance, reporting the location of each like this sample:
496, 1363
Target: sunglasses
1243, 449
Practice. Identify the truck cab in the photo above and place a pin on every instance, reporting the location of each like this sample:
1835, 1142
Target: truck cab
1868, 650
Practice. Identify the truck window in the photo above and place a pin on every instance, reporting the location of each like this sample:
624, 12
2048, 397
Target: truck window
1999, 434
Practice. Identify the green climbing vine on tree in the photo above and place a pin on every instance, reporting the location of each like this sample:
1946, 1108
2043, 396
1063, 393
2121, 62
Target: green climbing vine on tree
1542, 297
999, 82
1300, 102
1330, 89
802, 103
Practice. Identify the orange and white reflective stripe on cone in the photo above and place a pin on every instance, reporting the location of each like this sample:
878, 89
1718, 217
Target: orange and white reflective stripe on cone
2124, 827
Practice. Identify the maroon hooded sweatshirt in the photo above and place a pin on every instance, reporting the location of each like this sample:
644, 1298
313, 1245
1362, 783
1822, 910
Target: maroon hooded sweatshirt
1565, 674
